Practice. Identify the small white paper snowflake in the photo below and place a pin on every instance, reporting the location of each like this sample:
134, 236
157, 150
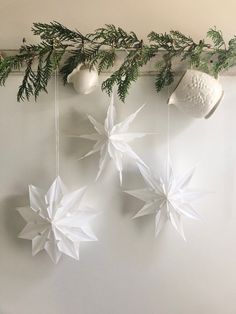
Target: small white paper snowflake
112, 140
56, 221
168, 197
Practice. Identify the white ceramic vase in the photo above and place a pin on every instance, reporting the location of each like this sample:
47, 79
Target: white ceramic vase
84, 80
197, 94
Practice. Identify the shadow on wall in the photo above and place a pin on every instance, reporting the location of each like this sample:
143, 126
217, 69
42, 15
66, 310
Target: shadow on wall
74, 121
11, 219
19, 261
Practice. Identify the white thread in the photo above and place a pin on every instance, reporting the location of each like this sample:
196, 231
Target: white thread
168, 134
57, 125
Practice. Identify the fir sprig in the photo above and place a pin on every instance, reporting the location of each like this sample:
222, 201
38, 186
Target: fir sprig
66, 48
217, 38
115, 37
57, 31
41, 61
128, 71
165, 75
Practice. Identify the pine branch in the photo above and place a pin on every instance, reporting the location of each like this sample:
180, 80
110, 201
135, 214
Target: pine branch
217, 37
56, 31
99, 49
180, 40
8, 65
47, 58
163, 41
103, 60
165, 75
115, 37
128, 71
26, 89
225, 56
81, 55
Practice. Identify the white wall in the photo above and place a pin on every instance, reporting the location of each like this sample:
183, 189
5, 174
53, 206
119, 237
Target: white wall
191, 17
127, 271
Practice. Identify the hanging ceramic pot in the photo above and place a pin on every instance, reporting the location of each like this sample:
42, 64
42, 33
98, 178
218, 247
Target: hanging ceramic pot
84, 79
197, 94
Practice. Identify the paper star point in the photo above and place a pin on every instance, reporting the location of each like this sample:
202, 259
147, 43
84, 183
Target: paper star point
56, 221
168, 198
112, 140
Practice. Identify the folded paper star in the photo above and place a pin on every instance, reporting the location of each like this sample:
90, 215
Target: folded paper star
112, 140
56, 221
168, 197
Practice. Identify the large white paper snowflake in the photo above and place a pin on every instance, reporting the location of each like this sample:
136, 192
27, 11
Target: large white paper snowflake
112, 140
56, 221
168, 197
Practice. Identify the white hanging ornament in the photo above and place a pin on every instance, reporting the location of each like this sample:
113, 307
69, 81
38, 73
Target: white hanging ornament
168, 198
198, 94
84, 79
56, 221
112, 139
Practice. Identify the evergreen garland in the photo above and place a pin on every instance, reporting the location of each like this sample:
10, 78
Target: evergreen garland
63, 48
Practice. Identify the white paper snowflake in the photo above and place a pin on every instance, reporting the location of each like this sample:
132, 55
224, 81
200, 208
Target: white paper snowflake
168, 197
56, 221
112, 140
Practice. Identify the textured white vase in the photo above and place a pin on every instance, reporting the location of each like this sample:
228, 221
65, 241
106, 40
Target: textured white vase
84, 80
197, 94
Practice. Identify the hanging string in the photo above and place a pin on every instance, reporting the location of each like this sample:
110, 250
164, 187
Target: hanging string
57, 124
168, 133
